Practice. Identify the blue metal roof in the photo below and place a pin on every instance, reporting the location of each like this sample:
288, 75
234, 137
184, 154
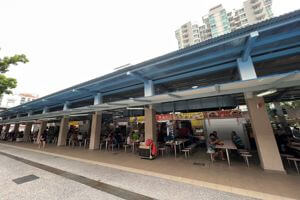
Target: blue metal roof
279, 36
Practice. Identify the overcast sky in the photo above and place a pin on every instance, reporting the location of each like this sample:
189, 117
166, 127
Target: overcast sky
71, 41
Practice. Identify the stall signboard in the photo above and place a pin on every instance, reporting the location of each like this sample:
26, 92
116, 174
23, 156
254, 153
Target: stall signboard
164, 117
190, 116
74, 123
197, 123
167, 117
223, 114
139, 119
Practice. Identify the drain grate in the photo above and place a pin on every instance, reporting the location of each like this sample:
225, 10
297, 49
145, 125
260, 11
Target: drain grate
25, 179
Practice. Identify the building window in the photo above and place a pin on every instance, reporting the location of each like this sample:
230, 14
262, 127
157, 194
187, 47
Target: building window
23, 99
244, 21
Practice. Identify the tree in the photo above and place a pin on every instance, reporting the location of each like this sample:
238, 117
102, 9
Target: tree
6, 83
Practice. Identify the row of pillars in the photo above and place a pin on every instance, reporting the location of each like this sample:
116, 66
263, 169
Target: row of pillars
266, 144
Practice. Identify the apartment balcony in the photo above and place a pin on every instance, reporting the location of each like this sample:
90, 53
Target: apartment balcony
257, 12
254, 1
260, 17
256, 6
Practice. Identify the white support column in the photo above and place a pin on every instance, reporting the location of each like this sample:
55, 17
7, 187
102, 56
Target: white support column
246, 69
63, 131
150, 124
148, 84
66, 105
95, 130
98, 99
45, 110
27, 131
148, 88
266, 144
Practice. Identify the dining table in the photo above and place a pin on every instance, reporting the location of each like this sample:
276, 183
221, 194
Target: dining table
227, 145
135, 145
176, 143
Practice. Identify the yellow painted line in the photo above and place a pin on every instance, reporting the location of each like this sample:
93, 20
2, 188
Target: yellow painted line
214, 186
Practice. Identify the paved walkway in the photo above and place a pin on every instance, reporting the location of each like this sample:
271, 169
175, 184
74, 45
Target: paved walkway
238, 179
60, 178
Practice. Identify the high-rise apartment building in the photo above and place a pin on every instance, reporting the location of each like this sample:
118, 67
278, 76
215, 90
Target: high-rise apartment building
258, 10
187, 35
218, 22
237, 19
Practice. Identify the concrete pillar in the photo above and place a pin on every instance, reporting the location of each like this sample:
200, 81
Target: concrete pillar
63, 131
27, 131
43, 126
266, 144
95, 130
150, 124
280, 115
16, 127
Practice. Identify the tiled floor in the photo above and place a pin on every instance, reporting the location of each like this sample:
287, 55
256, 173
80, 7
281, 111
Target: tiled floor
236, 178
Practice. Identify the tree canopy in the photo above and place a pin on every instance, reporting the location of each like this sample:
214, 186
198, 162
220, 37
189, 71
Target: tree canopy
6, 83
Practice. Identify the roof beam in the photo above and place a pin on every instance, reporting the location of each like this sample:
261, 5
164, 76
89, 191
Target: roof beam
249, 45
140, 100
218, 88
285, 78
174, 96
137, 76
117, 104
148, 84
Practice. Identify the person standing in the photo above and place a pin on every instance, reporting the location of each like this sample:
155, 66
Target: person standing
43, 139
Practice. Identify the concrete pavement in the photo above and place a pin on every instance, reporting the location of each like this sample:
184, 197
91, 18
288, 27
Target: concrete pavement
52, 186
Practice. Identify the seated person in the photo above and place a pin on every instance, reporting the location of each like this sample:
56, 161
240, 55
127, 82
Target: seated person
135, 136
296, 133
118, 138
237, 140
128, 140
80, 138
142, 137
213, 141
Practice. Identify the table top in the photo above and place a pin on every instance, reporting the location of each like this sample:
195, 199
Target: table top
228, 144
179, 141
182, 140
295, 144
294, 147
